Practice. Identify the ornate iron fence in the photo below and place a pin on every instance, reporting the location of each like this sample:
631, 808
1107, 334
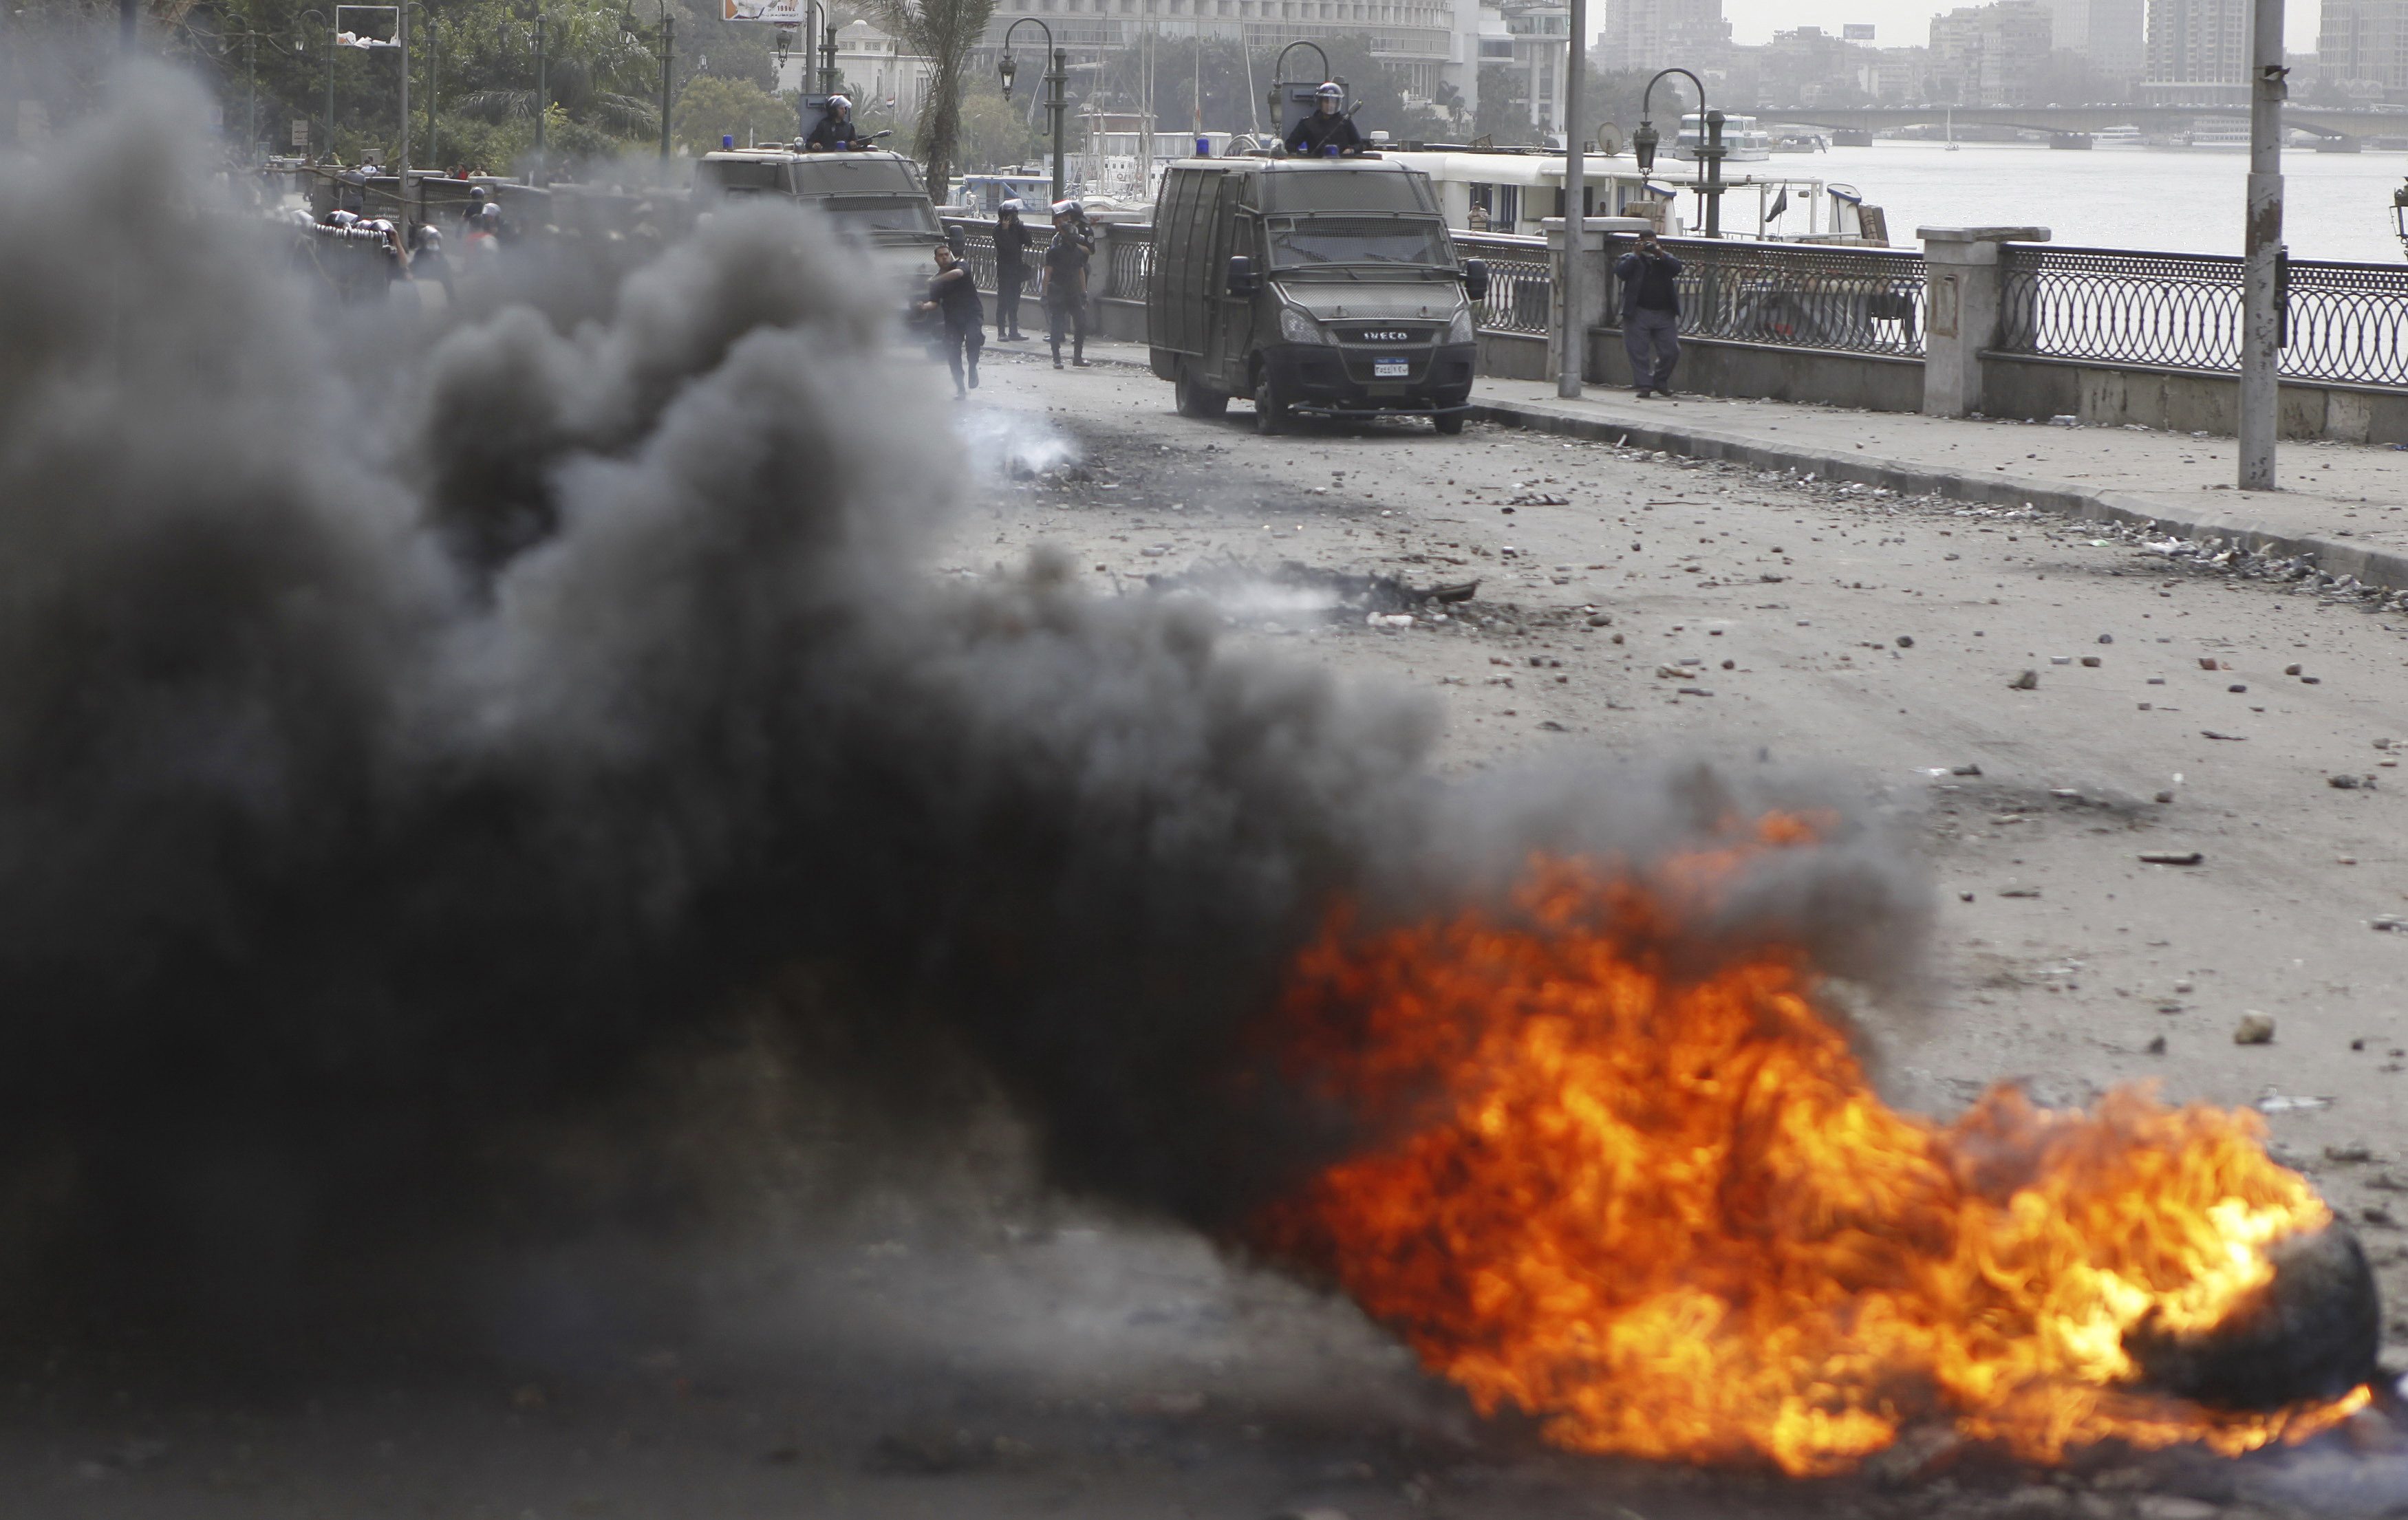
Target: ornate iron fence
1129, 247
1521, 281
2345, 322
1793, 296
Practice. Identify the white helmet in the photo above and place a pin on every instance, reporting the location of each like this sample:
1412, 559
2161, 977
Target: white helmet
835, 101
1331, 91
1063, 208
1012, 206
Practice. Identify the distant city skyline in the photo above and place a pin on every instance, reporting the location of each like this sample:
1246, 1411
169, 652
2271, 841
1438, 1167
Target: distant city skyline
1908, 23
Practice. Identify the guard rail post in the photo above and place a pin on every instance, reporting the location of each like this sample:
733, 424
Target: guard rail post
1961, 310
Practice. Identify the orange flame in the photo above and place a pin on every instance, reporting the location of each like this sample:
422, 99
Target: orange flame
1672, 1219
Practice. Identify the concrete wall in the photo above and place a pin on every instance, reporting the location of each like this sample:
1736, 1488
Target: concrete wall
1514, 356
1123, 321
1722, 367
2183, 401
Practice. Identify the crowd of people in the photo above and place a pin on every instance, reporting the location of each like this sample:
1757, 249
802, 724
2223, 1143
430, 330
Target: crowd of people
1062, 265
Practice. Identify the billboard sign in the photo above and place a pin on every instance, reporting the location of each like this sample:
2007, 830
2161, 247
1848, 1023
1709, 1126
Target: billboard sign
775, 12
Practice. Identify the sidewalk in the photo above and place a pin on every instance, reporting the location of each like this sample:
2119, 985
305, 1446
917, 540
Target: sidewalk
2346, 504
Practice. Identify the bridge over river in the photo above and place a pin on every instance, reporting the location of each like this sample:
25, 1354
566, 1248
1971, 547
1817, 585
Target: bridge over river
2327, 122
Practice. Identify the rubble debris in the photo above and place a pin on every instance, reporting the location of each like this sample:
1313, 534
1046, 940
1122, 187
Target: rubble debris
2340, 781
2028, 681
2171, 856
2254, 1029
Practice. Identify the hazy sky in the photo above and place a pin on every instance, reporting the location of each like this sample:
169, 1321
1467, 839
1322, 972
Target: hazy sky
1907, 22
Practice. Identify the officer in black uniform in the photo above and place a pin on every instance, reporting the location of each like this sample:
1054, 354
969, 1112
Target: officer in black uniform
954, 295
1328, 129
835, 129
1011, 240
1066, 283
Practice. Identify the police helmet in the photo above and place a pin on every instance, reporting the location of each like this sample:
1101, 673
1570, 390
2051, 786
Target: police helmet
1331, 91
835, 101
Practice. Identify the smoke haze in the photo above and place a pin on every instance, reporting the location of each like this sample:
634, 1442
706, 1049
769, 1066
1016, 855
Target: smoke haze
405, 736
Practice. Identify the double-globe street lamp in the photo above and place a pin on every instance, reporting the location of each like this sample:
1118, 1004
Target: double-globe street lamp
1710, 146
1056, 79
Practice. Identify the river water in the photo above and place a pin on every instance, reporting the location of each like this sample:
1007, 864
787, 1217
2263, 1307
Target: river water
2336, 206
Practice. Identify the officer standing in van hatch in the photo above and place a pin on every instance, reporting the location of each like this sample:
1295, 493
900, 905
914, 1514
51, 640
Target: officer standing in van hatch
1066, 285
1328, 129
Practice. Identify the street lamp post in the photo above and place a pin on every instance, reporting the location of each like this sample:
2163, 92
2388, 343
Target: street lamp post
542, 102
827, 54
328, 145
1057, 80
2262, 258
1710, 146
1279, 82
400, 15
1572, 361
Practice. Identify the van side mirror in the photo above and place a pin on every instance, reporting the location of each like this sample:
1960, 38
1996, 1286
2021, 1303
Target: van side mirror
1244, 277
1475, 278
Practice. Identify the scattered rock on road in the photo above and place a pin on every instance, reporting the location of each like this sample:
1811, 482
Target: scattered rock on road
2254, 1029
2028, 681
2171, 858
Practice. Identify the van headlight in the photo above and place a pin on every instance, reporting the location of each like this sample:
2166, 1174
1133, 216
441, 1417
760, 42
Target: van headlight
1459, 330
1297, 327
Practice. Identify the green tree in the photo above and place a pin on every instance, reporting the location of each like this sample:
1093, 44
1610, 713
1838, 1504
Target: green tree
996, 133
712, 107
1504, 116
943, 32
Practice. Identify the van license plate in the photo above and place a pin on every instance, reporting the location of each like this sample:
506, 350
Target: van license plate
1391, 368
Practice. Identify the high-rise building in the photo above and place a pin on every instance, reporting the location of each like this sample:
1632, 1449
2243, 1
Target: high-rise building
2362, 45
2198, 53
1663, 33
2111, 34
1991, 55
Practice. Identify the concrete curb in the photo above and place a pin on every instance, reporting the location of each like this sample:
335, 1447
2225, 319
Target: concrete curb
2372, 565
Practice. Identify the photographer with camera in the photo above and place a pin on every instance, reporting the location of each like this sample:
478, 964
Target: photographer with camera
1650, 314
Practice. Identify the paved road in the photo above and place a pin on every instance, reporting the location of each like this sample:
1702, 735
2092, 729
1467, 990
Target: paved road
1844, 628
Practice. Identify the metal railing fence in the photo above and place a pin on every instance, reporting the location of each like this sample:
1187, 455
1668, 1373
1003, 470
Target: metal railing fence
1792, 295
1123, 258
1521, 281
1128, 251
2344, 322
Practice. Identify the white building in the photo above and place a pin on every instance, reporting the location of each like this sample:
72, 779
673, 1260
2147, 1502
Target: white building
891, 84
2111, 35
2363, 45
1663, 34
2198, 53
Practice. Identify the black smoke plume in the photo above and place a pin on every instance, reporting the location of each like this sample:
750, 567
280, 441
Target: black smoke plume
404, 737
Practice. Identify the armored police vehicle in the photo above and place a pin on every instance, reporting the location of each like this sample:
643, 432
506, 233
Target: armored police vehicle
873, 196
1322, 287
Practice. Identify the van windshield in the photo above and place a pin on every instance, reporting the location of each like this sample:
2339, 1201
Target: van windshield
1303, 243
882, 216
839, 173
